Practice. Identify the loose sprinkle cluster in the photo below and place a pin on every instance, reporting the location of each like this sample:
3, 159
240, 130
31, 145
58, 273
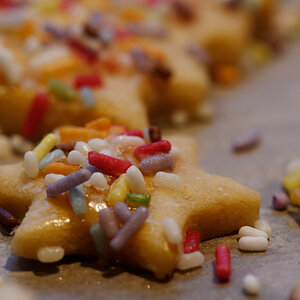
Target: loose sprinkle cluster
73, 163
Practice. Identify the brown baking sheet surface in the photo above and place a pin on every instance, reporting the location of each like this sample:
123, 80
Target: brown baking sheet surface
268, 100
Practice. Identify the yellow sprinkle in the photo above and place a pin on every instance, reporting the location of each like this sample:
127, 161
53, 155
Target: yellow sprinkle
291, 182
118, 190
45, 146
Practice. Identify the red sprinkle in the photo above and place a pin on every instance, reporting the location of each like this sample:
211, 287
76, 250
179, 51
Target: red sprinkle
107, 164
223, 267
92, 81
145, 151
191, 241
89, 55
134, 132
35, 115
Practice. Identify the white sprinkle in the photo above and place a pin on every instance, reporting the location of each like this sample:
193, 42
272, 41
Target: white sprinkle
251, 285
32, 44
9, 66
83, 148
48, 56
75, 157
172, 230
50, 254
190, 260
135, 180
106, 152
293, 166
253, 243
31, 164
263, 225
125, 141
168, 180
179, 118
5, 147
51, 178
175, 152
250, 231
98, 181
20, 145
97, 144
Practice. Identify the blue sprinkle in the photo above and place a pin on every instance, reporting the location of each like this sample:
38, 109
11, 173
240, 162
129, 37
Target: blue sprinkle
77, 200
99, 238
91, 168
56, 155
87, 97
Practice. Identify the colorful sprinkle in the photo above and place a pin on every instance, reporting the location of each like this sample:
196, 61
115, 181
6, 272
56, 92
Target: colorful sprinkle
152, 149
153, 164
61, 90
118, 190
168, 180
135, 180
92, 81
50, 254
31, 165
108, 222
68, 182
191, 241
138, 199
172, 230
253, 243
7, 219
99, 238
281, 200
107, 164
190, 261
223, 263
129, 229
77, 200
45, 146
122, 211
98, 181
56, 155
87, 97
35, 115
250, 231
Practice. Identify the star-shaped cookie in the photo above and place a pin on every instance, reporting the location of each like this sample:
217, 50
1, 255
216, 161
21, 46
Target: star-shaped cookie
213, 205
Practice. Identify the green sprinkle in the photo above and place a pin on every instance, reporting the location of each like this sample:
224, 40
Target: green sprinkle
137, 199
61, 90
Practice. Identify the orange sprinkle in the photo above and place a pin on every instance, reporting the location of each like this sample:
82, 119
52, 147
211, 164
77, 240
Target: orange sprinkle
99, 124
73, 134
295, 197
132, 14
226, 74
61, 168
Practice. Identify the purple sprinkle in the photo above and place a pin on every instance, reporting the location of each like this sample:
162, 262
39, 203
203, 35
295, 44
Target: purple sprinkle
247, 141
147, 29
108, 222
122, 212
280, 201
199, 54
141, 60
56, 32
153, 164
68, 182
129, 229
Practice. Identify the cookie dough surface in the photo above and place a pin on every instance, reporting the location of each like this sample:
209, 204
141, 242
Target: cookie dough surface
213, 205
